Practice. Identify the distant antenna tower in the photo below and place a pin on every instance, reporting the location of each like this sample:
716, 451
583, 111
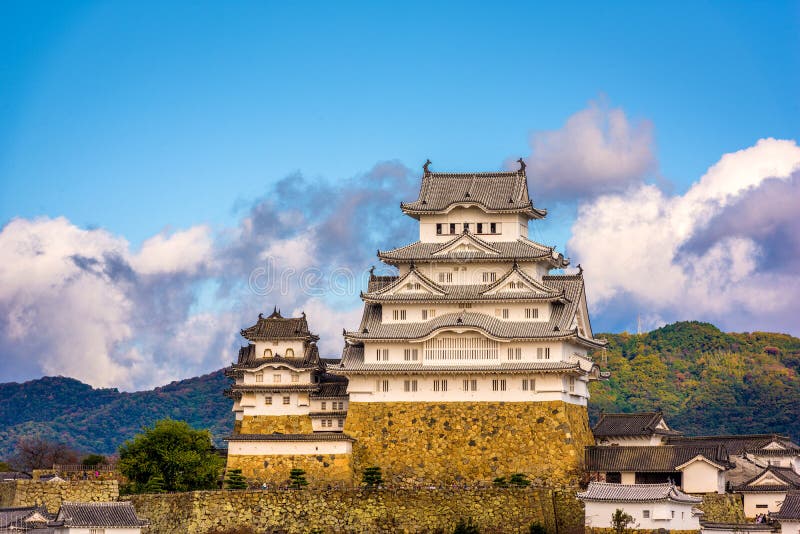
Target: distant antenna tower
638, 325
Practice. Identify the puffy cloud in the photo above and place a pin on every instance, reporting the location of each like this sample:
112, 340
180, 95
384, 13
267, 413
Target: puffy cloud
725, 251
597, 151
184, 251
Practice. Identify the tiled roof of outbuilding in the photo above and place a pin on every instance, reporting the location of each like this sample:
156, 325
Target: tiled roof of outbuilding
278, 327
15, 518
790, 509
736, 444
493, 191
653, 459
98, 514
629, 424
521, 249
790, 480
604, 491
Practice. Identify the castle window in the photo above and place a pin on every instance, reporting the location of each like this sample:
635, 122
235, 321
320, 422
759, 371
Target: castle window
498, 384
466, 227
494, 228
259, 377
543, 353
295, 377
276, 378
438, 228
411, 354
323, 406
399, 315
470, 385
268, 400
341, 423
440, 385
489, 277
531, 313
287, 400
501, 312
446, 278
465, 305
382, 385
528, 384
452, 228
268, 353
480, 228
409, 385
290, 353
572, 384
461, 348
382, 354
414, 286
646, 514
514, 353
428, 314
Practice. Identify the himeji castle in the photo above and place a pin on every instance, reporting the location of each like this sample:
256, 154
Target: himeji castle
473, 360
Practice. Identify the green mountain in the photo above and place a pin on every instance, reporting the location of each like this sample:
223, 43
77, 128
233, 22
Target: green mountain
704, 380
99, 420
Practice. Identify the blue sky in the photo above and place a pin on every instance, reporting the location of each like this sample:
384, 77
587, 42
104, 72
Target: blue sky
149, 118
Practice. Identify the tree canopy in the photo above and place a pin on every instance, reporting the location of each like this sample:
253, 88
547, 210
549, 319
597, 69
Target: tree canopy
182, 457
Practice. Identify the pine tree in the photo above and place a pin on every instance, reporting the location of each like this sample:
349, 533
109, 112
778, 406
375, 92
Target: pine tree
297, 479
372, 477
155, 484
519, 480
235, 480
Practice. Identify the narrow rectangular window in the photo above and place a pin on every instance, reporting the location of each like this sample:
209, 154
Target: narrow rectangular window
572, 384
324, 406
466, 227
492, 228
543, 353
489, 277
452, 228
505, 313
465, 305
514, 353
385, 385
386, 355
524, 384
438, 228
276, 379
409, 385
259, 377
480, 228
378, 354
474, 385
446, 278
646, 514
444, 385
424, 314
268, 400
495, 384
287, 400
341, 423
295, 377
402, 315
531, 313
466, 385
410, 354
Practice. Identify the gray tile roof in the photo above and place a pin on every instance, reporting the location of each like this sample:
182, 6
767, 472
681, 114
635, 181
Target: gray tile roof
790, 509
604, 491
521, 249
558, 327
98, 514
248, 359
331, 390
317, 436
629, 424
736, 444
493, 191
14, 475
465, 293
790, 480
15, 518
353, 362
278, 327
652, 459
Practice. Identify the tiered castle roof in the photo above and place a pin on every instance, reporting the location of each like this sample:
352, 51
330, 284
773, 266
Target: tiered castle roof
277, 327
494, 192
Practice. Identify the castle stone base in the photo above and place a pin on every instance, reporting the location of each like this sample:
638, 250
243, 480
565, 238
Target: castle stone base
321, 470
268, 424
427, 442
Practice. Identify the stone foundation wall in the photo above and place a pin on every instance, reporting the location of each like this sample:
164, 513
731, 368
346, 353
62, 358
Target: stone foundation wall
267, 424
470, 441
590, 530
395, 511
51, 494
321, 470
724, 508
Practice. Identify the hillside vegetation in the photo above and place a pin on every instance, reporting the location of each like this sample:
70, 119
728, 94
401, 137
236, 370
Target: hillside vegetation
100, 420
705, 381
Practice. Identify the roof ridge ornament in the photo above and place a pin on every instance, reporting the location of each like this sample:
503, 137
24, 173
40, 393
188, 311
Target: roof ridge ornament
425, 166
521, 165
580, 270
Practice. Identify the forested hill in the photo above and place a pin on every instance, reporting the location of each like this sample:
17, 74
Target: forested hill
99, 420
704, 380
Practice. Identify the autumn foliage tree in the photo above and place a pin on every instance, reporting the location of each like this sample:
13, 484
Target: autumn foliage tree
39, 453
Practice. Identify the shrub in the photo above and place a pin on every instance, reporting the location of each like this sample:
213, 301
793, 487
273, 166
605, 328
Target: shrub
466, 527
372, 477
297, 479
235, 480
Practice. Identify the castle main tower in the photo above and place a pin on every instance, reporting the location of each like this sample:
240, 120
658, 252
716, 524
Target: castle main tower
471, 362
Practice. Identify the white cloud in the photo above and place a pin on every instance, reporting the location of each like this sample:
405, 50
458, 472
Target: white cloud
598, 150
184, 251
639, 251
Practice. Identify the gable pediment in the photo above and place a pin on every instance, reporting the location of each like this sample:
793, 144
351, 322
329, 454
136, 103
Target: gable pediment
774, 445
412, 283
767, 479
466, 244
516, 281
